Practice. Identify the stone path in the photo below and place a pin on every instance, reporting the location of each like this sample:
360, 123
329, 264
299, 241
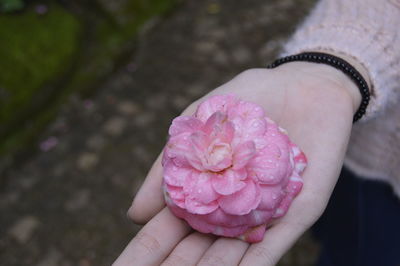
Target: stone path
66, 204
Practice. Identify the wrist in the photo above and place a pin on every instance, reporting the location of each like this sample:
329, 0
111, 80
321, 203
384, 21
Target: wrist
341, 71
323, 81
348, 84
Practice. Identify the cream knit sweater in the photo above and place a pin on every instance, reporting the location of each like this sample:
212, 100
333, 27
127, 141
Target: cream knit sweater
369, 31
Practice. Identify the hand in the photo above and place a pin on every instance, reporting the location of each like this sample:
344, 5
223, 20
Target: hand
315, 104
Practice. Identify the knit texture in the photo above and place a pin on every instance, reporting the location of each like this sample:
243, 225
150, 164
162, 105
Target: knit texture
368, 31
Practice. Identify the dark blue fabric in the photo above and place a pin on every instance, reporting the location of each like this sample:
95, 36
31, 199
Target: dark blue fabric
360, 226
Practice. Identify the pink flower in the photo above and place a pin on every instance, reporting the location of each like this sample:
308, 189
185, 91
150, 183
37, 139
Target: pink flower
229, 170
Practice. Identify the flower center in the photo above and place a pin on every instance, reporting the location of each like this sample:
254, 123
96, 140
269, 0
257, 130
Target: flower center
219, 156
219, 152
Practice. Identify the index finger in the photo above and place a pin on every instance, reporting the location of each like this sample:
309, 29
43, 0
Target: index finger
154, 241
149, 199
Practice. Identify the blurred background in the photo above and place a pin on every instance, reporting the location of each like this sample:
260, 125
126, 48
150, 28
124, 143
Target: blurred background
87, 92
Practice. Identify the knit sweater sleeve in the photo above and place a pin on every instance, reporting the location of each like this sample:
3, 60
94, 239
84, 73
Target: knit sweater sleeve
368, 31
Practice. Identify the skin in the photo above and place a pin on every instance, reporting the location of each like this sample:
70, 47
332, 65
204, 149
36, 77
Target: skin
315, 103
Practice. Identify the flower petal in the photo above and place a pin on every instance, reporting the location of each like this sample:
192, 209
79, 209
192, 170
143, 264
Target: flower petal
175, 192
247, 110
219, 165
293, 188
271, 196
177, 148
255, 127
198, 187
183, 124
216, 103
243, 153
254, 234
175, 176
230, 231
270, 166
295, 184
199, 223
197, 207
243, 201
257, 217
219, 217
300, 160
214, 122
173, 196
218, 127
252, 129
197, 146
229, 182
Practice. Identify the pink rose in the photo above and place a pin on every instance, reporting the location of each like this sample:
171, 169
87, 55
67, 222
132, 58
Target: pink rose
229, 170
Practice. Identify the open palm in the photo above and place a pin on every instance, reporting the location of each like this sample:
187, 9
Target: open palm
315, 104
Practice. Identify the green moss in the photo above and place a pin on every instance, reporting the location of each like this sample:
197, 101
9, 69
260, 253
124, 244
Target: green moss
33, 50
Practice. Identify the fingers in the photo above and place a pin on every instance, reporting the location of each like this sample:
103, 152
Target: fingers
189, 250
224, 251
149, 199
278, 239
155, 241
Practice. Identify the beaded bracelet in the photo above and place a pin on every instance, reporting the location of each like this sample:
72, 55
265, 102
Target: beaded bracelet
337, 63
